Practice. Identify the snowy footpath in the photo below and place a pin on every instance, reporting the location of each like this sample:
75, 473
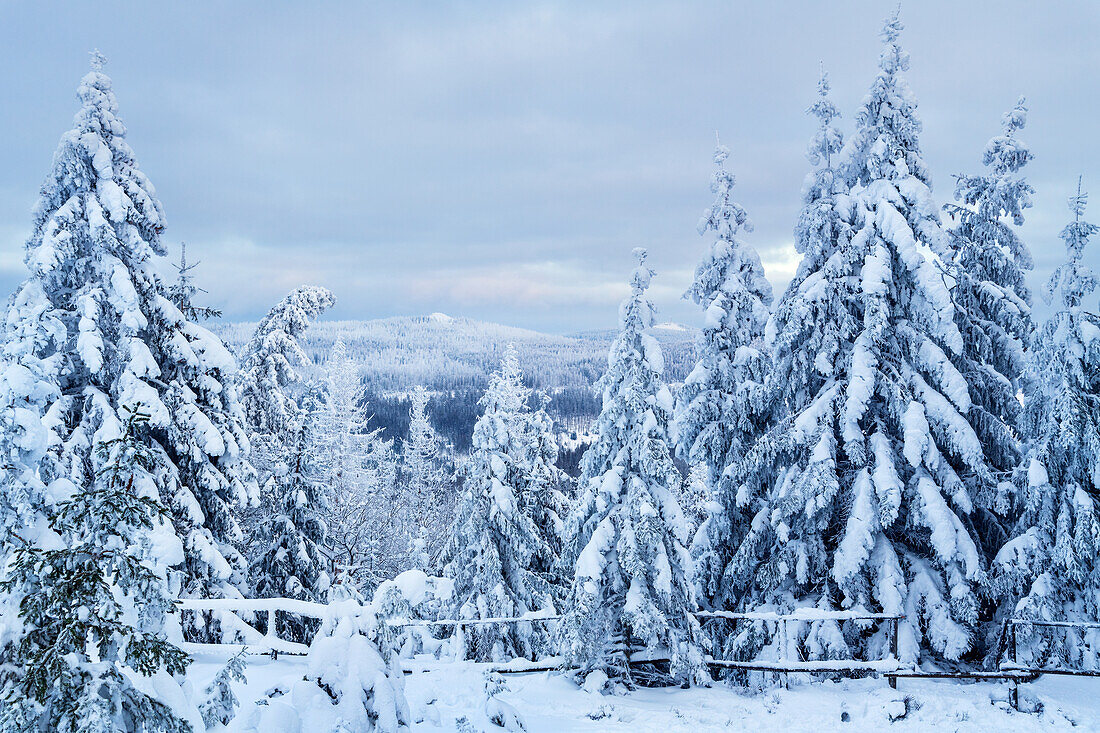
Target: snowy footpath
547, 702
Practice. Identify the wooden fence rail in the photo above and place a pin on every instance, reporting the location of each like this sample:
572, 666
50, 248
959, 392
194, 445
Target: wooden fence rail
1011, 671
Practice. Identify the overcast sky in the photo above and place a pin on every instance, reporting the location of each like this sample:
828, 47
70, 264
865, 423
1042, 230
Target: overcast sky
500, 160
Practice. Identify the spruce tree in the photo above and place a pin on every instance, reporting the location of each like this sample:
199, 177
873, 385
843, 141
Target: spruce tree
291, 563
220, 704
273, 386
94, 602
993, 306
721, 407
543, 495
805, 337
183, 291
94, 312
876, 443
632, 576
424, 487
494, 545
1051, 568
285, 560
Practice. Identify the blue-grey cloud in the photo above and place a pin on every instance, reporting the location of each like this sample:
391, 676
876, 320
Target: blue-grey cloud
500, 160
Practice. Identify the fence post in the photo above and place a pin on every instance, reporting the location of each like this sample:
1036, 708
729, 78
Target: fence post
893, 626
1014, 686
784, 654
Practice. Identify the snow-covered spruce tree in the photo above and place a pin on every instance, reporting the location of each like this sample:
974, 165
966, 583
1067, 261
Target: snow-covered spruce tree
115, 341
219, 705
271, 379
751, 570
290, 563
27, 389
341, 422
26, 503
95, 602
877, 442
993, 306
424, 487
632, 576
494, 545
721, 407
543, 496
365, 533
1051, 568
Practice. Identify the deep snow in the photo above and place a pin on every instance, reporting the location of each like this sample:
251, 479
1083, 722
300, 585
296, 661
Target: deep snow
550, 703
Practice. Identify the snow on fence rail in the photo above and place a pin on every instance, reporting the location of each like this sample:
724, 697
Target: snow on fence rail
1013, 665
786, 666
1012, 671
802, 614
527, 617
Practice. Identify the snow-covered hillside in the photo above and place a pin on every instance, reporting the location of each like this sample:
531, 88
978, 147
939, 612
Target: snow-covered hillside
450, 352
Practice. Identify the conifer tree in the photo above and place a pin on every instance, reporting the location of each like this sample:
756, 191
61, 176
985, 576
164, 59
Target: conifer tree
183, 291
721, 406
543, 495
359, 472
632, 576
811, 326
96, 316
291, 563
272, 383
341, 424
696, 499
424, 486
1051, 568
27, 389
285, 561
95, 601
494, 545
877, 440
220, 703
993, 305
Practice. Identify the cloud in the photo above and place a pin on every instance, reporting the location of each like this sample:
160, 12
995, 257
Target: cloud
505, 158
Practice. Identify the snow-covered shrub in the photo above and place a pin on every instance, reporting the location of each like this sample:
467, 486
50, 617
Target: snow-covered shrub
352, 685
413, 596
498, 712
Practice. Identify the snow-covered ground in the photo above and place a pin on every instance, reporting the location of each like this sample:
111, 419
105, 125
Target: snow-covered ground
550, 703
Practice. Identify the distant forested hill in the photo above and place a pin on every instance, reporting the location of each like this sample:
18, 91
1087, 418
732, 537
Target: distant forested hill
451, 357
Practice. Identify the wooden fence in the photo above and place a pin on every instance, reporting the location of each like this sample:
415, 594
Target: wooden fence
229, 613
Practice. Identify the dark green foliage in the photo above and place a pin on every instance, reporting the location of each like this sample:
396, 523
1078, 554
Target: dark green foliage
100, 597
